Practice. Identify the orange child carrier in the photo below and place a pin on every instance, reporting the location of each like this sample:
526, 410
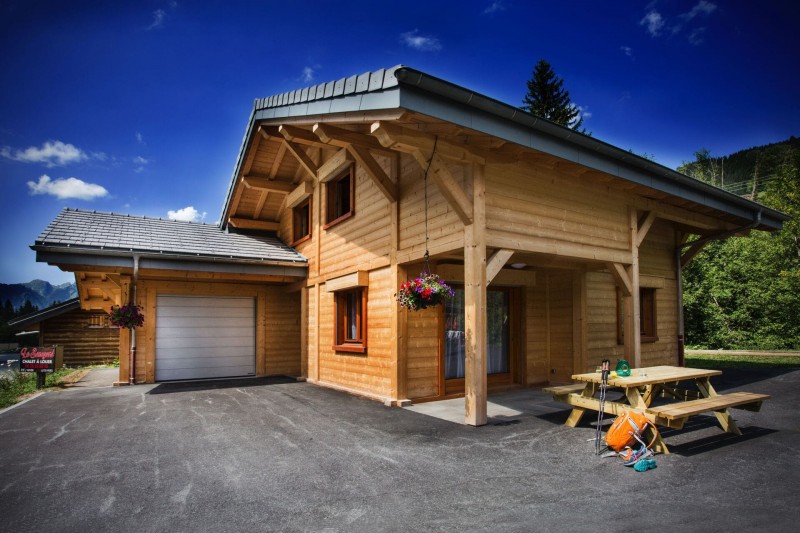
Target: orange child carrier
628, 429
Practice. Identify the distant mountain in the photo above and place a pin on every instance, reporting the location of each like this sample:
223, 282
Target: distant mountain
41, 293
745, 172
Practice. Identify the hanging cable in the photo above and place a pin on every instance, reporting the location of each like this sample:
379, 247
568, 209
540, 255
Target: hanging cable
427, 253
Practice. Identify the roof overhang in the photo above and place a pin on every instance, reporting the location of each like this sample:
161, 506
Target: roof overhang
79, 258
403, 88
44, 314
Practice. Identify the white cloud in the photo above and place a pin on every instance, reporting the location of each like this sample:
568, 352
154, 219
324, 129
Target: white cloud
65, 188
140, 139
701, 8
187, 214
627, 50
308, 74
583, 112
654, 22
696, 37
159, 18
495, 6
420, 42
51, 154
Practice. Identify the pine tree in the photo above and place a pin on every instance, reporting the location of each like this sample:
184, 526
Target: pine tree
548, 99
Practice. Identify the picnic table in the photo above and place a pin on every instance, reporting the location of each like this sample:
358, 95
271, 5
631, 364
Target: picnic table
645, 384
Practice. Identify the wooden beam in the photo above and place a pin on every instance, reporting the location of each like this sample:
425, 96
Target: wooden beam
475, 383
262, 200
410, 141
633, 337
644, 227
268, 132
343, 138
496, 262
302, 157
251, 154
450, 189
299, 194
331, 168
247, 223
692, 251
276, 163
374, 171
264, 184
300, 136
621, 277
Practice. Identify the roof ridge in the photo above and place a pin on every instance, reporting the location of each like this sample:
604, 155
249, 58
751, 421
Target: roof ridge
128, 215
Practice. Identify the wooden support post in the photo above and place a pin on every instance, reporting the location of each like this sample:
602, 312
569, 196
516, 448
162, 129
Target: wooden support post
632, 336
475, 388
124, 336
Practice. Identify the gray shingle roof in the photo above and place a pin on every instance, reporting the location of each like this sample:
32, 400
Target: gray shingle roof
44, 314
89, 231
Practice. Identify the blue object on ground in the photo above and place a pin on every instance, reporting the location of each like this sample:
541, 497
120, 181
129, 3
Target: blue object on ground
644, 464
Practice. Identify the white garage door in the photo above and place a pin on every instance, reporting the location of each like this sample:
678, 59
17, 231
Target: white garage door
205, 337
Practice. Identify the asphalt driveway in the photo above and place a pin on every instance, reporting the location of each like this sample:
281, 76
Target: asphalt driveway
277, 455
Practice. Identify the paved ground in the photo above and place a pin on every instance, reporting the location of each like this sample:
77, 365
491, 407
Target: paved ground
276, 455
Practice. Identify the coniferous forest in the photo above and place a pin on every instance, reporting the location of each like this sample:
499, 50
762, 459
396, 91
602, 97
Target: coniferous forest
744, 292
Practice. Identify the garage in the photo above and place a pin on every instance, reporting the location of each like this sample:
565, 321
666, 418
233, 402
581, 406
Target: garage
200, 337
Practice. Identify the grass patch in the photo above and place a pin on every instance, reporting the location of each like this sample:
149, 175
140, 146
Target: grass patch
720, 362
15, 387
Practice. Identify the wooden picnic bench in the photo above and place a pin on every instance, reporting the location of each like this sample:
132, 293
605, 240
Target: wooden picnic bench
644, 385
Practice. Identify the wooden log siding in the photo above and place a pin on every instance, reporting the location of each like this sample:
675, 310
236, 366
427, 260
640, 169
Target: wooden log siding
445, 229
657, 268
362, 238
424, 336
530, 203
367, 373
83, 345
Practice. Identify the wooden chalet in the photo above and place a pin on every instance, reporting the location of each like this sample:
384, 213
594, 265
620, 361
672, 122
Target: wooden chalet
563, 250
86, 335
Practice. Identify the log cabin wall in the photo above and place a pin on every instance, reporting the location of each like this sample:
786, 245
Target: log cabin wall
86, 337
536, 208
549, 323
277, 325
657, 270
368, 373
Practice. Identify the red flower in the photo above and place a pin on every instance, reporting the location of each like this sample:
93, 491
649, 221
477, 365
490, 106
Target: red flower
426, 294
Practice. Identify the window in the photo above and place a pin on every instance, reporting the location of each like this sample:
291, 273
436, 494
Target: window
350, 309
647, 316
301, 222
340, 198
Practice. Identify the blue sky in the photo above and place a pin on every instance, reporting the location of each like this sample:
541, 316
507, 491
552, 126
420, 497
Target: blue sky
140, 107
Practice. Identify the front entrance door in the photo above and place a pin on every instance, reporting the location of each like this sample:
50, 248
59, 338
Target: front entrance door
499, 325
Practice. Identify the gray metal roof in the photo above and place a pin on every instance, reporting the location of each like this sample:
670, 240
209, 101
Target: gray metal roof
92, 232
44, 314
403, 87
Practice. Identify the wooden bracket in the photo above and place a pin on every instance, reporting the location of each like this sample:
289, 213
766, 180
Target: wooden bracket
374, 171
644, 227
495, 263
621, 277
302, 157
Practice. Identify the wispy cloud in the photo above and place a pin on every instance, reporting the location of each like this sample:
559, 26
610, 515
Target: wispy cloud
583, 112
67, 188
51, 154
187, 214
159, 18
140, 163
140, 138
423, 43
627, 50
701, 8
309, 73
654, 22
495, 6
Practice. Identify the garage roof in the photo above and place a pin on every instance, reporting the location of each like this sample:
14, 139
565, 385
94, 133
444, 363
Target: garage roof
83, 232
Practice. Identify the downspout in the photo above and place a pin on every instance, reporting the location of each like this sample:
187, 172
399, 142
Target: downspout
132, 360
679, 271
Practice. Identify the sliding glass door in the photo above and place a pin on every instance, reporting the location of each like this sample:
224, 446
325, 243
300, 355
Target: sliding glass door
498, 322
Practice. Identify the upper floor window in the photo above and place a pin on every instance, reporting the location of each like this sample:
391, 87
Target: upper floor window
301, 222
340, 198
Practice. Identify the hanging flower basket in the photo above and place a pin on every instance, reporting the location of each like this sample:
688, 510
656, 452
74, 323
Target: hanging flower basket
128, 316
425, 291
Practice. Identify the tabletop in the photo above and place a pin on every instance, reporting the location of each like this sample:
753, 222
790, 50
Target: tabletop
649, 376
